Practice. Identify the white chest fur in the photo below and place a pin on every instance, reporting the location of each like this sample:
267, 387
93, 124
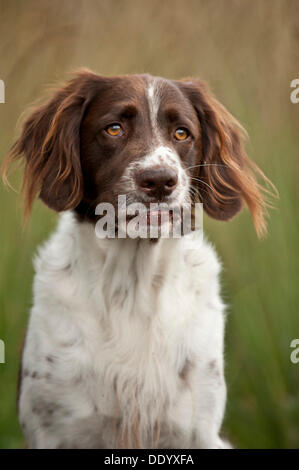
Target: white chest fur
125, 343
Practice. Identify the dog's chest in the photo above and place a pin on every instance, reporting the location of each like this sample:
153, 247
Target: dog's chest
111, 335
119, 349
127, 333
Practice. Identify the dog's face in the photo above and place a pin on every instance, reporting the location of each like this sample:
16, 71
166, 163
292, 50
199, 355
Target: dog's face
140, 137
151, 139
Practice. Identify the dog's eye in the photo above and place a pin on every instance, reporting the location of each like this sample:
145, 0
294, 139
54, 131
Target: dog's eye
181, 134
114, 130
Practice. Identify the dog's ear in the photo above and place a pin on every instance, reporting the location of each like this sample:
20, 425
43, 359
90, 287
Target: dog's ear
50, 146
226, 176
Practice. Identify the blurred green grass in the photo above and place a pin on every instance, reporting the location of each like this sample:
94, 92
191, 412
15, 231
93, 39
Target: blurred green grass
248, 52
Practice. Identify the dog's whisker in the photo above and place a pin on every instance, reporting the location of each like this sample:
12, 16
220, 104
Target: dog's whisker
195, 192
206, 164
203, 182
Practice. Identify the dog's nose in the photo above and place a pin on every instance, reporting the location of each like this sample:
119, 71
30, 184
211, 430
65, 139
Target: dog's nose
157, 182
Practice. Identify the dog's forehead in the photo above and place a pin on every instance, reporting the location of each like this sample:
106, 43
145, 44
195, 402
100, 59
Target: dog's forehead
162, 93
141, 90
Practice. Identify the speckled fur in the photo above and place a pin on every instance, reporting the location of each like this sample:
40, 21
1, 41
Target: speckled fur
111, 358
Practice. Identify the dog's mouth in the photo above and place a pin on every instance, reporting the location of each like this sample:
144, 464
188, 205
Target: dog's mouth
151, 217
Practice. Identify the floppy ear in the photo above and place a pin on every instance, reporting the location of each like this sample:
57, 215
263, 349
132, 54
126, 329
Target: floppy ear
50, 143
227, 177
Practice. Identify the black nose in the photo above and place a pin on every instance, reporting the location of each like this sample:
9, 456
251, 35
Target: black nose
157, 182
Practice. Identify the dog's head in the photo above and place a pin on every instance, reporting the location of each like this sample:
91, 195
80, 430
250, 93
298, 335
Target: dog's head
152, 139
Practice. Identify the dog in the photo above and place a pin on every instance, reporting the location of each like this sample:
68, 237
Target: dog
125, 341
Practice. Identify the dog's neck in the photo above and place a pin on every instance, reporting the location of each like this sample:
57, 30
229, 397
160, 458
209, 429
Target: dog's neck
118, 266
143, 255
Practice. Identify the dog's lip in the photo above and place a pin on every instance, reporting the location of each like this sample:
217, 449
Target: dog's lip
151, 211
152, 216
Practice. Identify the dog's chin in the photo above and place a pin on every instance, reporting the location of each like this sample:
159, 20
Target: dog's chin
149, 224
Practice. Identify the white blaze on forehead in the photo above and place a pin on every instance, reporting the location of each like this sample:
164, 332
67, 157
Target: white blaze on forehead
159, 153
154, 97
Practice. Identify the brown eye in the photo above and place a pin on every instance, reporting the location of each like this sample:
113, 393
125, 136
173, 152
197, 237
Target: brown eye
181, 134
114, 130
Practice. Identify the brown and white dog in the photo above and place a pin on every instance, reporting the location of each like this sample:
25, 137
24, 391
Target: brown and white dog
125, 340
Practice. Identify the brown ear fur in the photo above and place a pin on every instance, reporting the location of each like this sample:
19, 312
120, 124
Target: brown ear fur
227, 176
49, 141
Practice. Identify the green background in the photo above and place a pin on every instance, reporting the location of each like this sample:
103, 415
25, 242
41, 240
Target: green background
248, 51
